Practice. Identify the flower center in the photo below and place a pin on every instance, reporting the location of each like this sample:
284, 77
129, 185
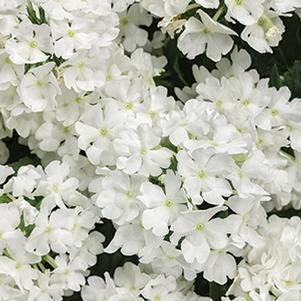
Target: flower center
218, 104
40, 83
18, 265
124, 21
128, 106
71, 33
33, 44
265, 22
143, 151
48, 229
168, 203
202, 174
130, 194
274, 112
206, 30
239, 2
200, 227
103, 132
77, 100
245, 102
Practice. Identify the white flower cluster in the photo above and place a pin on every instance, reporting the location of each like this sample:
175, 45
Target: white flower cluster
131, 283
272, 272
263, 27
221, 163
46, 238
185, 183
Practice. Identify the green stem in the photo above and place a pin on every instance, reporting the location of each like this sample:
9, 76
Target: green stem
219, 12
10, 196
287, 156
41, 267
50, 261
192, 6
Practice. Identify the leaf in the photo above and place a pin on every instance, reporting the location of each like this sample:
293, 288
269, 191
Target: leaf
275, 77
22, 162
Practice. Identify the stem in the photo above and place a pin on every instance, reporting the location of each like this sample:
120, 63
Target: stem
50, 261
192, 6
287, 156
219, 12
10, 196
41, 267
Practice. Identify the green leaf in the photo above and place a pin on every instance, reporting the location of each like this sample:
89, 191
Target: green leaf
22, 162
25, 229
5, 199
275, 77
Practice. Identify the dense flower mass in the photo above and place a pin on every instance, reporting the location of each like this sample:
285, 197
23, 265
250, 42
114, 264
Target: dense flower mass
188, 179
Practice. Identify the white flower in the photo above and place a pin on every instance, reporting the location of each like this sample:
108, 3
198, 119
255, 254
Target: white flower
286, 6
97, 289
189, 122
246, 12
55, 186
130, 279
18, 264
25, 182
45, 290
5, 171
140, 151
68, 274
208, 35
39, 88
10, 73
50, 233
204, 173
84, 71
86, 255
31, 44
97, 128
218, 266
208, 3
71, 38
161, 288
163, 208
265, 33
10, 219
200, 234
118, 197
134, 36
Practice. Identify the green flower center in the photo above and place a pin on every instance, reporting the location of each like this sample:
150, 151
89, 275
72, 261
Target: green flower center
71, 33
274, 112
202, 174
33, 44
40, 83
124, 21
239, 2
206, 30
77, 100
245, 102
168, 203
130, 194
48, 229
103, 132
7, 60
200, 227
218, 104
265, 22
128, 106
143, 151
